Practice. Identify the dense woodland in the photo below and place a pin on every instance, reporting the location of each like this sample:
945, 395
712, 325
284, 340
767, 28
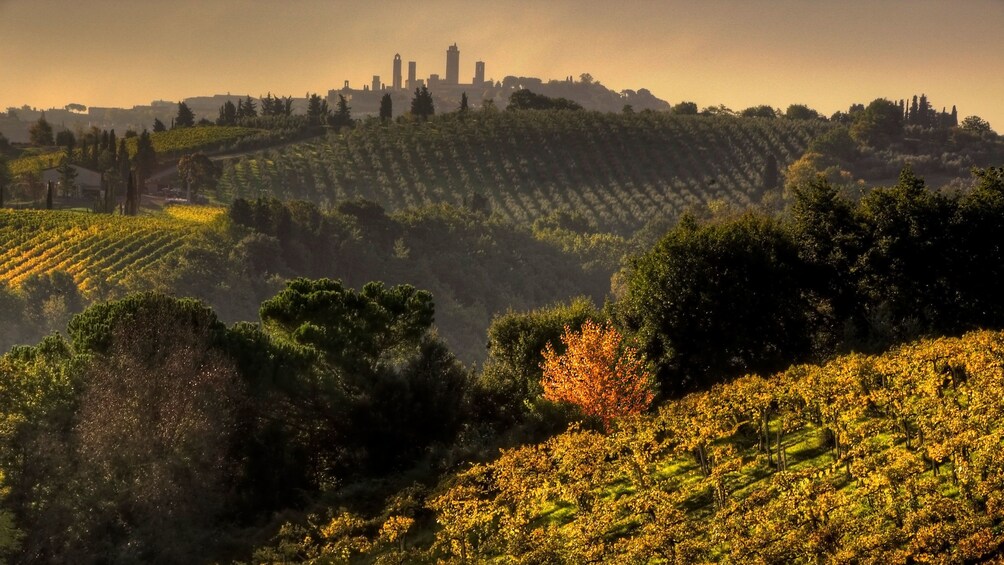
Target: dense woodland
535, 335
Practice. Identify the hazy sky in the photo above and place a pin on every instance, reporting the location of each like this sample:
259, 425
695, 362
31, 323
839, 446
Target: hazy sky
735, 52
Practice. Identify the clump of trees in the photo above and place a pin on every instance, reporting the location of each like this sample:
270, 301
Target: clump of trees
752, 294
422, 105
527, 100
152, 424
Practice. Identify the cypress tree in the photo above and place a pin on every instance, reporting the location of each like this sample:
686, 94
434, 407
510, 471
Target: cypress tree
924, 111
386, 107
4, 176
343, 116
770, 176
130, 203
185, 119
250, 108
48, 196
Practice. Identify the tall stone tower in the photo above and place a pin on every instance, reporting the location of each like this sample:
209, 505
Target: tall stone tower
412, 71
397, 72
479, 73
452, 65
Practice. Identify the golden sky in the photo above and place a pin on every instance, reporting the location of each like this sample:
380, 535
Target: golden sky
740, 53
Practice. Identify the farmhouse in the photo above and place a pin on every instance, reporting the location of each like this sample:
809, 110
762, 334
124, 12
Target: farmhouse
86, 183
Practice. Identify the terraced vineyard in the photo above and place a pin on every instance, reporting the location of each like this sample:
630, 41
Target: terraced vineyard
97, 250
619, 170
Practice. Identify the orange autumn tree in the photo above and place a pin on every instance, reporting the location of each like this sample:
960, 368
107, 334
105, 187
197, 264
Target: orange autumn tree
597, 373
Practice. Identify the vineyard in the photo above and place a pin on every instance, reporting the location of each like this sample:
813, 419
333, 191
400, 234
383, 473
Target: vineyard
618, 170
868, 459
205, 138
171, 142
97, 250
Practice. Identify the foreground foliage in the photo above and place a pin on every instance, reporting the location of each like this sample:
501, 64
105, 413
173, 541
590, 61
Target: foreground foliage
890, 458
154, 432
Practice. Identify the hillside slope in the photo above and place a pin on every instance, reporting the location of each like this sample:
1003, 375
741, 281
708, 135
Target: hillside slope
867, 459
617, 170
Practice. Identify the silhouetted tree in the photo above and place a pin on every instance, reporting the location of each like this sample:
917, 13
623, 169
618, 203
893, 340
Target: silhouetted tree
48, 196
976, 124
421, 105
762, 111
924, 112
145, 159
132, 198
801, 112
276, 106
247, 109
67, 175
158, 125
317, 110
66, 139
526, 100
40, 134
186, 118
386, 107
342, 116
878, 123
770, 176
463, 102
228, 114
4, 176
685, 109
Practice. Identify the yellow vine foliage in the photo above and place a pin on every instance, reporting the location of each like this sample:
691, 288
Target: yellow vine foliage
597, 373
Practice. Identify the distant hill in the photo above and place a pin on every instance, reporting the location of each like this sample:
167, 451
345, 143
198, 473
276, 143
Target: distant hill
617, 170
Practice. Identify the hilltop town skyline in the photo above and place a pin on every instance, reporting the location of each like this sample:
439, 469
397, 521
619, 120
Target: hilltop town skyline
734, 53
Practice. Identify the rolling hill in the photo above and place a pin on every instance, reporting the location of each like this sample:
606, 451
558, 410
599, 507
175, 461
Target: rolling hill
616, 170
